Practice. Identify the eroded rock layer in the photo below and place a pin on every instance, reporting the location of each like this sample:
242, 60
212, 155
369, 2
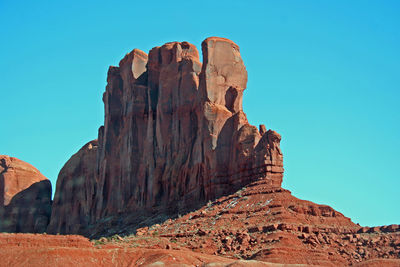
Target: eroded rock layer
175, 136
25, 197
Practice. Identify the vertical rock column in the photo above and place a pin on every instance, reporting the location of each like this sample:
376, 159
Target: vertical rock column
123, 140
177, 158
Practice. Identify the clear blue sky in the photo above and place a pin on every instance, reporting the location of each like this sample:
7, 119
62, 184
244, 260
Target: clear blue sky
324, 74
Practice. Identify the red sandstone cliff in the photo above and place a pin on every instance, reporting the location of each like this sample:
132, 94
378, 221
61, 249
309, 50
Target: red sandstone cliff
174, 137
25, 197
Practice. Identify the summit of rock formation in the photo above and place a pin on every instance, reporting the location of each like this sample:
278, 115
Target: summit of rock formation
174, 136
25, 197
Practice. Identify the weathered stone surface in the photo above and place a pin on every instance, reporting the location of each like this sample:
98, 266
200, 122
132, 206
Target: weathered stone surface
224, 75
174, 135
25, 197
75, 190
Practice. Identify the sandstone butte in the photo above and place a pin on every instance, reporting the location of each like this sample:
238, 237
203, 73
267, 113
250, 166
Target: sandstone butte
174, 136
178, 177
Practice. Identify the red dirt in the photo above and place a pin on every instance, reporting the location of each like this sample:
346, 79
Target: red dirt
53, 250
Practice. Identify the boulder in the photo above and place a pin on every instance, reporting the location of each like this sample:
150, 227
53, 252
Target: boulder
25, 197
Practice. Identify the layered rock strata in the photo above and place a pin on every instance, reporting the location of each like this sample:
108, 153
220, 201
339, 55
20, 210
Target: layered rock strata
25, 197
175, 136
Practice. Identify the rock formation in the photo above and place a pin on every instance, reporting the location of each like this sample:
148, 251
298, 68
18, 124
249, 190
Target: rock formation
174, 136
75, 187
175, 141
25, 197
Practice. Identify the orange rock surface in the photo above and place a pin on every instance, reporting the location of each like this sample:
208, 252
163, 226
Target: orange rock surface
25, 197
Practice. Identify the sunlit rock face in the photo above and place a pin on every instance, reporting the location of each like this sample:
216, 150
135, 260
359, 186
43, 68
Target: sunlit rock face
174, 136
25, 197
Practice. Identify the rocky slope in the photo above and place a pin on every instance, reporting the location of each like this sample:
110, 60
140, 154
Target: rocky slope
271, 225
25, 197
174, 137
70, 250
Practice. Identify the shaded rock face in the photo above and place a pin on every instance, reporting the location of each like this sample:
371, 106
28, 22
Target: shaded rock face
25, 197
75, 190
174, 137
